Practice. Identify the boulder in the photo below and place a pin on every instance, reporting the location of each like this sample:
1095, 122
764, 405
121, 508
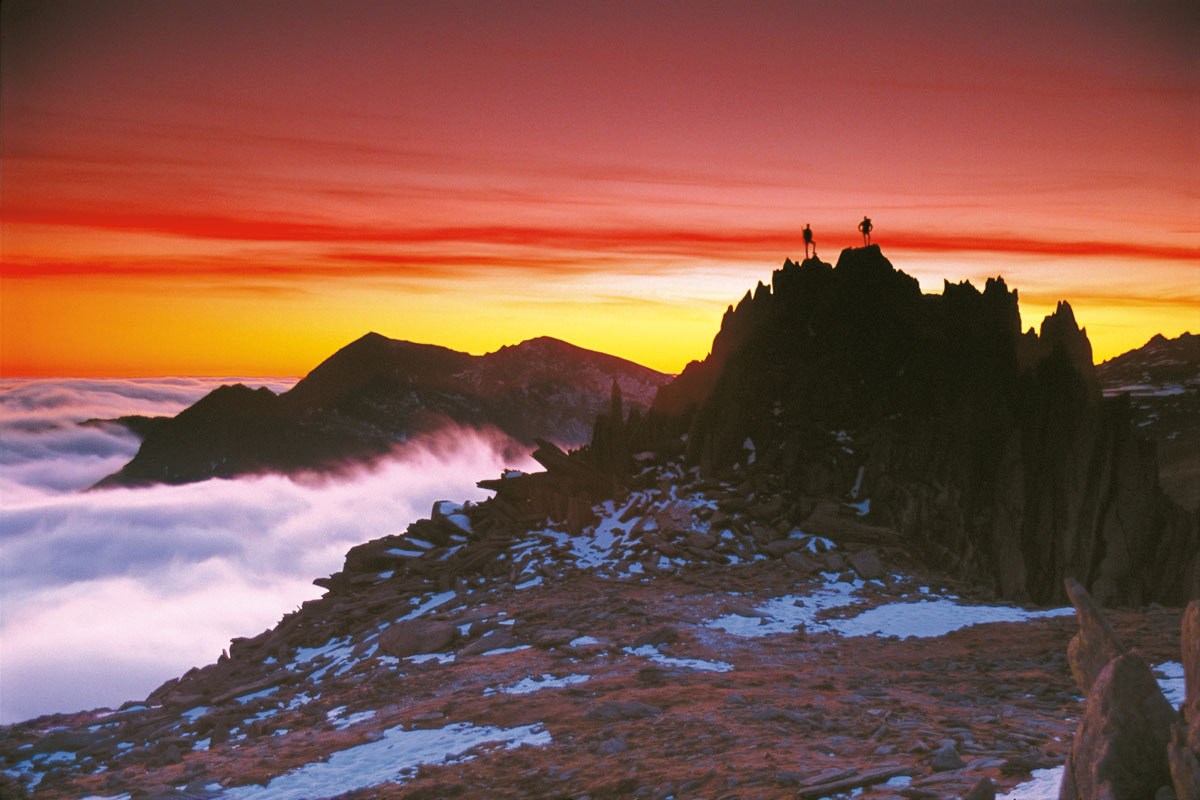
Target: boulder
801, 564
983, 789
867, 564
414, 636
945, 759
496, 640
664, 635
621, 709
781, 547
1120, 747
1096, 643
553, 637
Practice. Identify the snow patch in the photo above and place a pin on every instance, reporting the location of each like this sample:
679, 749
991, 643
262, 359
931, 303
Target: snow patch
393, 758
922, 619
546, 681
1044, 786
931, 618
652, 653
1170, 679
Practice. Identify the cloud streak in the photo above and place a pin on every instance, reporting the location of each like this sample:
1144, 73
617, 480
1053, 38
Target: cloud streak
107, 594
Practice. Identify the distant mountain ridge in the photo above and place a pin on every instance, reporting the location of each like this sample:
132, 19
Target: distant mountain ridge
376, 392
1161, 380
1160, 365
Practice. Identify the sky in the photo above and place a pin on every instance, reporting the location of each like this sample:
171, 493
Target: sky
221, 187
105, 595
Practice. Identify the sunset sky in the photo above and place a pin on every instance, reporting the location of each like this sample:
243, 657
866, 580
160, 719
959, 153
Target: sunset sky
214, 188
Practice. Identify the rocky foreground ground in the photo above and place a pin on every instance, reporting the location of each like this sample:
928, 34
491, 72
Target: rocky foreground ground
694, 639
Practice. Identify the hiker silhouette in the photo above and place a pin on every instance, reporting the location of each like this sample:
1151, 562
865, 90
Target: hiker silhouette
808, 240
865, 227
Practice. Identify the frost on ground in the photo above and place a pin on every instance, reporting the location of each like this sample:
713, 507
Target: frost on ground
391, 759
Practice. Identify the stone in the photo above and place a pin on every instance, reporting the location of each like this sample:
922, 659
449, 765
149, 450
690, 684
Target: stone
801, 564
701, 540
782, 547
553, 637
833, 561
946, 758
495, 640
867, 564
414, 636
983, 789
613, 710
1120, 748
612, 746
1096, 643
664, 635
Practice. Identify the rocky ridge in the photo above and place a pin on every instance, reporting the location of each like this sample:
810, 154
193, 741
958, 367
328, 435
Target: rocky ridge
993, 451
376, 392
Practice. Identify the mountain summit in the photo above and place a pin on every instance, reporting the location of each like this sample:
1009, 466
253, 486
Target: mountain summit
993, 451
376, 392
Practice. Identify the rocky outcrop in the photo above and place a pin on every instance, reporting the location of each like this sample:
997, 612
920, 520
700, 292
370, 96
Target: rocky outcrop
1128, 744
1120, 748
993, 450
1184, 750
1096, 643
376, 392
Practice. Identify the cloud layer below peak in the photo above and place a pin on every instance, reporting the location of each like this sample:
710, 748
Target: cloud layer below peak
107, 594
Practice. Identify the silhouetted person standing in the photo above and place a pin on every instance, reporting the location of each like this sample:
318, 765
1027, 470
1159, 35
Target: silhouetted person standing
865, 227
808, 241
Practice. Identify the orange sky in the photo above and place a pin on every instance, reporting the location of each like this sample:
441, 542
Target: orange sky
241, 188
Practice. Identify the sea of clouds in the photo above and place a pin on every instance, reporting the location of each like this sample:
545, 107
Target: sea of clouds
106, 594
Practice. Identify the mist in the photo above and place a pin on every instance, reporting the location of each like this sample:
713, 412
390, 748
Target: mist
106, 594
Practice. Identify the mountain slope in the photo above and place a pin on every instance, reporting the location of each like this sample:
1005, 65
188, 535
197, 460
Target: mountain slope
374, 392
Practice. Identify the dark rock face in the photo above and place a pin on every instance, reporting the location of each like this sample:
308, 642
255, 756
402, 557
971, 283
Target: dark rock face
376, 392
1120, 749
992, 450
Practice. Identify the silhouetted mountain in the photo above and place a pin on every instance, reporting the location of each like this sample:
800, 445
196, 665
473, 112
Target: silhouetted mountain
992, 450
1162, 381
1160, 366
375, 392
